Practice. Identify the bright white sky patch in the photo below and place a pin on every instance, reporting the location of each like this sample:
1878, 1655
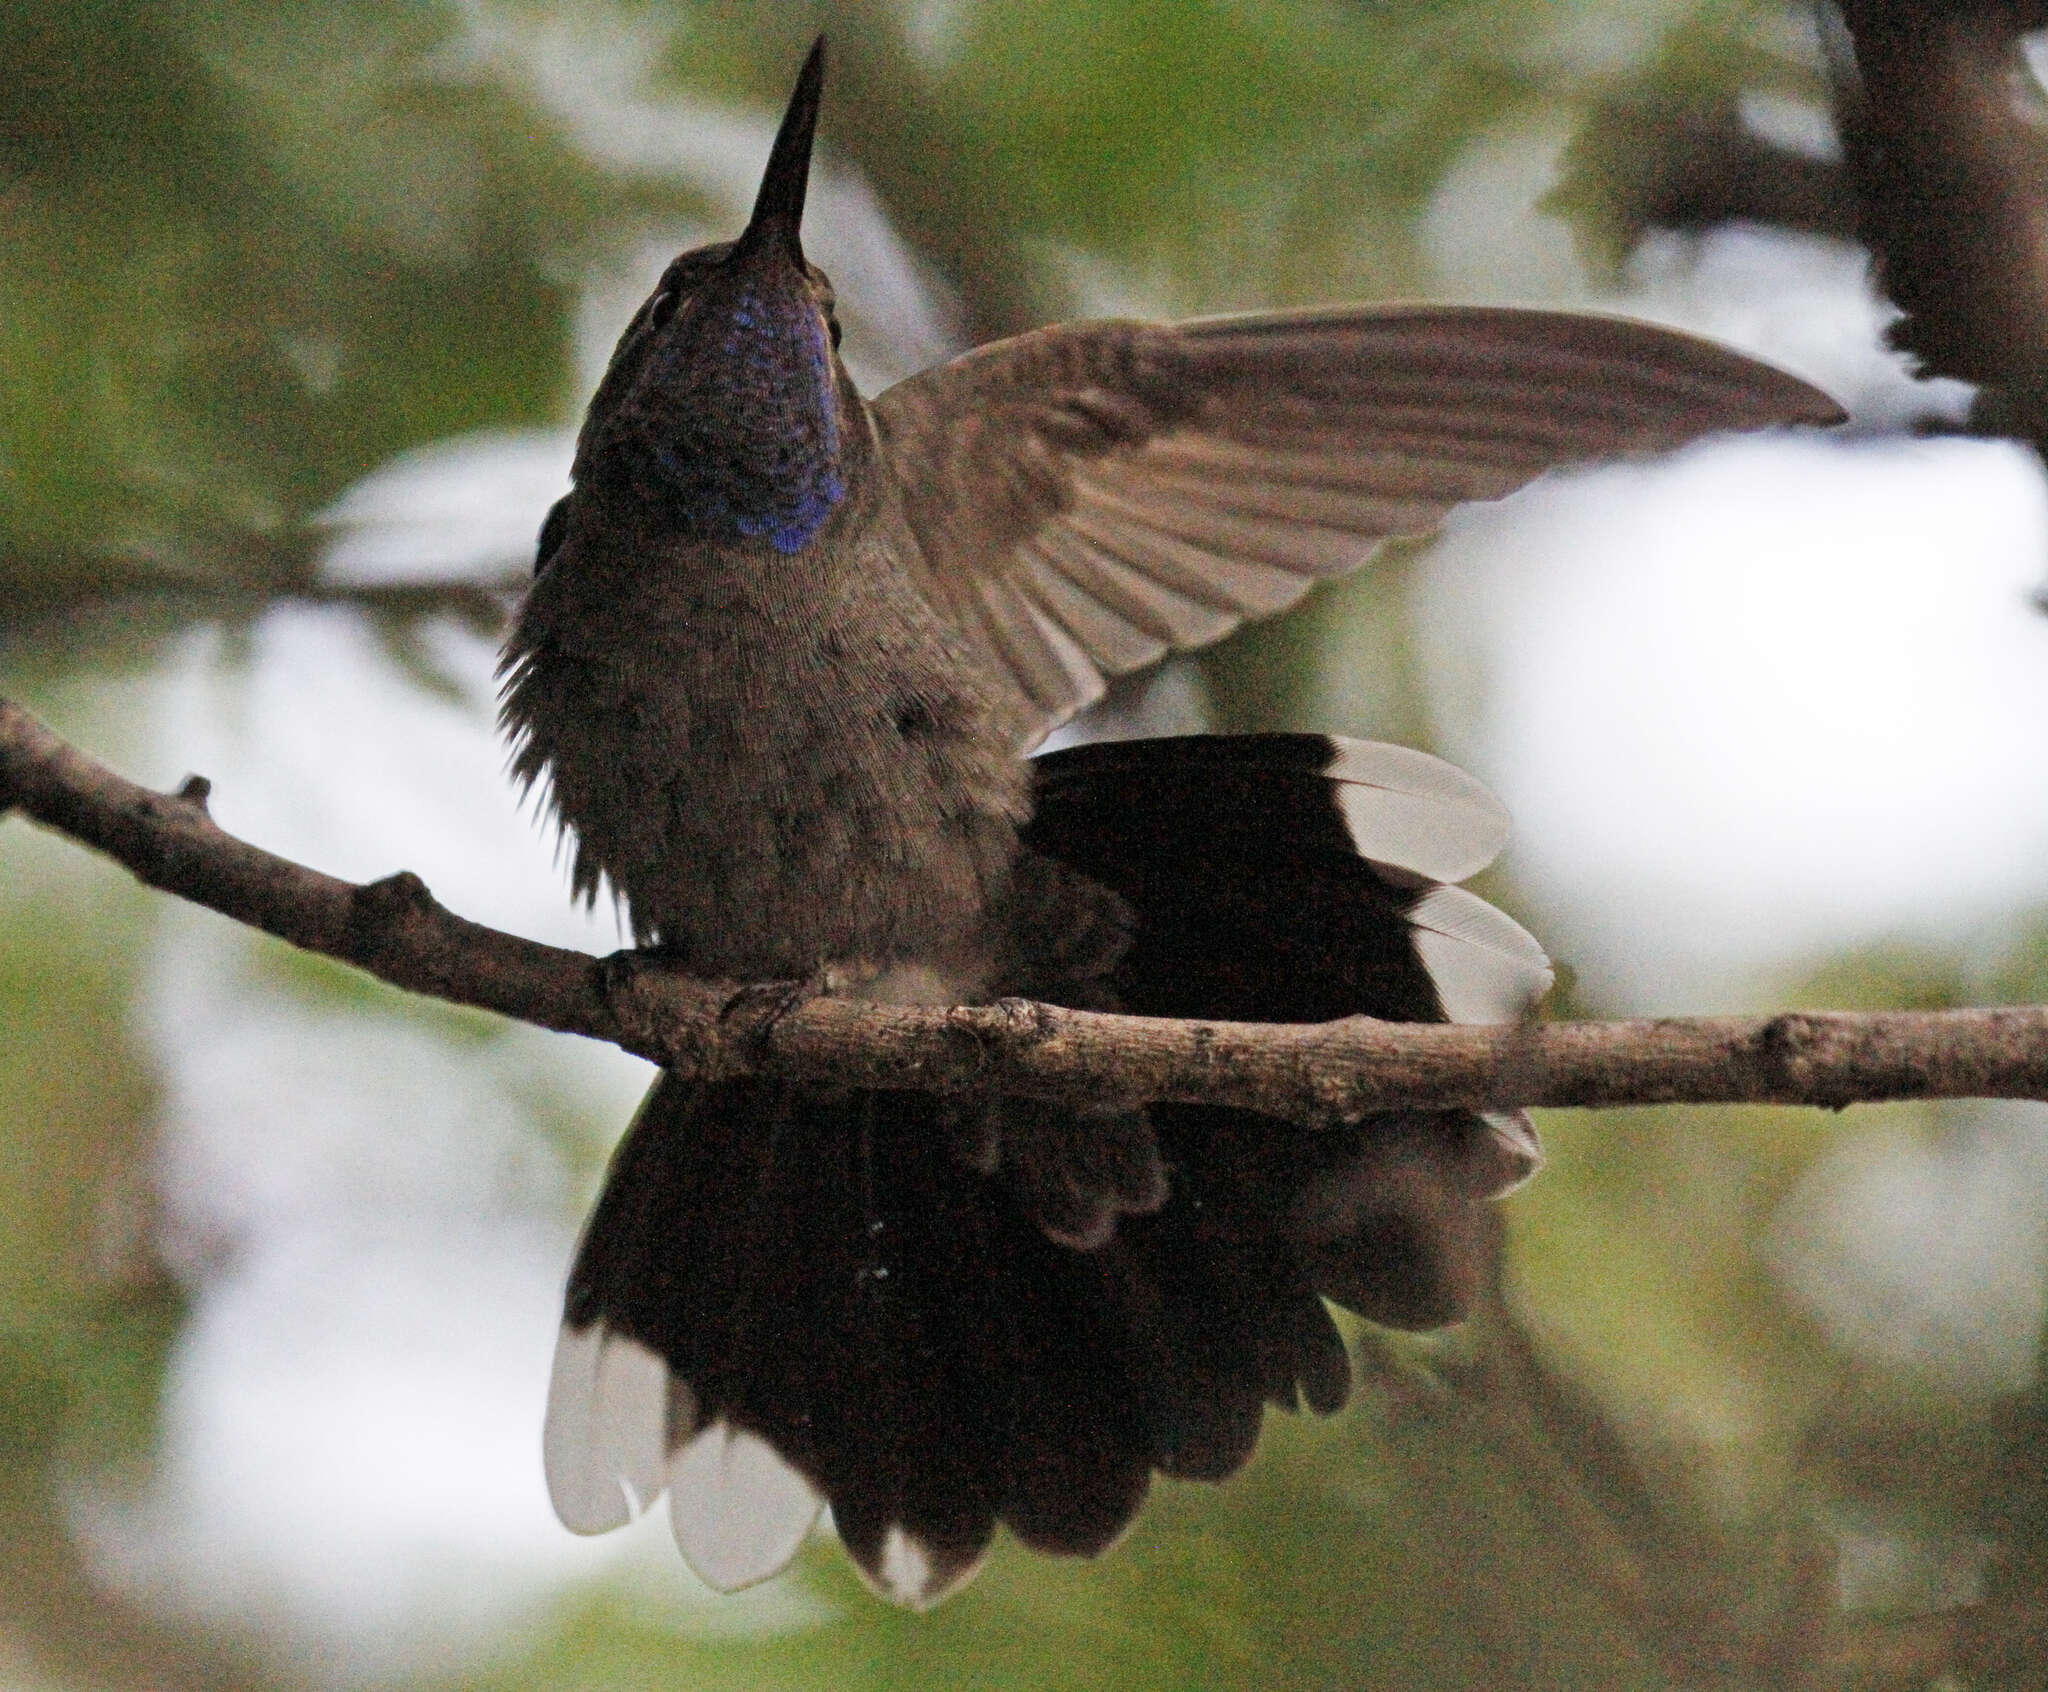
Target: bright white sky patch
461, 510
328, 749
1801, 301
350, 1457
1765, 699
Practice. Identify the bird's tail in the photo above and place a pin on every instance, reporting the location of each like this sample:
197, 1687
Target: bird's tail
936, 1317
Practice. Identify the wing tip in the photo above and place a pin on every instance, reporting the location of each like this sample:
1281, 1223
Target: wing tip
1772, 395
1779, 399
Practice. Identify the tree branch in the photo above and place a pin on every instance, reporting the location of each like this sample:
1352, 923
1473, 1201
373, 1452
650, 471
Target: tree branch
1321, 1072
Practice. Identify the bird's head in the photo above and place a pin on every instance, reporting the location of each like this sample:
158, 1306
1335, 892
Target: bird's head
725, 403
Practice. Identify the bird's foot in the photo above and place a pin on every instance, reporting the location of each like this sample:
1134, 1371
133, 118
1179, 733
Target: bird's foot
758, 1008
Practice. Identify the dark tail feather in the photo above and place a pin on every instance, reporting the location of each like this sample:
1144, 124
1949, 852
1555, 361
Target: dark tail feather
1301, 878
832, 1307
815, 1269
1238, 1327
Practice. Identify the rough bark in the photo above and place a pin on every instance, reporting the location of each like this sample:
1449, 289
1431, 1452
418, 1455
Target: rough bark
398, 932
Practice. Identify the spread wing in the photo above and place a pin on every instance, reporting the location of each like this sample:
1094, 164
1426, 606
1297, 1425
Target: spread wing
1091, 496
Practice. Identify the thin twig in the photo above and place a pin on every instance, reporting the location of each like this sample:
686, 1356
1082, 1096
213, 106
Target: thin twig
1321, 1072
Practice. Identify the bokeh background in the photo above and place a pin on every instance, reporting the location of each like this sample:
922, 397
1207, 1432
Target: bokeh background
299, 303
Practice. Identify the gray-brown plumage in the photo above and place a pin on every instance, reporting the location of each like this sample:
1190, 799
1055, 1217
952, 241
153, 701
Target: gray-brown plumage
782, 658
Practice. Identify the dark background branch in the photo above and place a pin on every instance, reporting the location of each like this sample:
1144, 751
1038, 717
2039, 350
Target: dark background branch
1951, 177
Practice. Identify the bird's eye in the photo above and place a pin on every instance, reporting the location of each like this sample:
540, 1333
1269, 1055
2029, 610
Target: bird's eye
661, 308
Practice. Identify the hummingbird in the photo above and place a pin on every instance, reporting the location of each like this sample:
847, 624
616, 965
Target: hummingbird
779, 672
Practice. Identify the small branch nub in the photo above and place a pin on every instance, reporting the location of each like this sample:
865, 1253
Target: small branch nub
396, 896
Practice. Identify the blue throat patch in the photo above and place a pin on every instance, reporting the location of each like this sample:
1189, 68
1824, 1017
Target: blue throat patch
757, 454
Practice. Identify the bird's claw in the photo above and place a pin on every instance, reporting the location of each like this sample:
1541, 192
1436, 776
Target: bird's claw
760, 1007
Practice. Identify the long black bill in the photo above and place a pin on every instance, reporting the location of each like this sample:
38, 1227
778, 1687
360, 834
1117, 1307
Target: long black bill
779, 207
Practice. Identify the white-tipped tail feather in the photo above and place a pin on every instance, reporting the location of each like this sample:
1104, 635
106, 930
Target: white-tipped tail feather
738, 1511
1414, 812
1520, 1146
909, 1572
1485, 966
1363, 841
605, 1445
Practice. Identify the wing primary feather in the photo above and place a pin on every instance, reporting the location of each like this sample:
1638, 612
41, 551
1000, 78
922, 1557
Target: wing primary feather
1324, 504
1045, 661
1112, 642
1622, 350
1243, 586
1173, 619
1305, 549
1412, 473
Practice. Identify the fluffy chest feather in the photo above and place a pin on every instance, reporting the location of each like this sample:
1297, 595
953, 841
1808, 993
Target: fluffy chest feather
779, 762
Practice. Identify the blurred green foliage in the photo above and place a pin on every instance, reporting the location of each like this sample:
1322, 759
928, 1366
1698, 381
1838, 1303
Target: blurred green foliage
250, 251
